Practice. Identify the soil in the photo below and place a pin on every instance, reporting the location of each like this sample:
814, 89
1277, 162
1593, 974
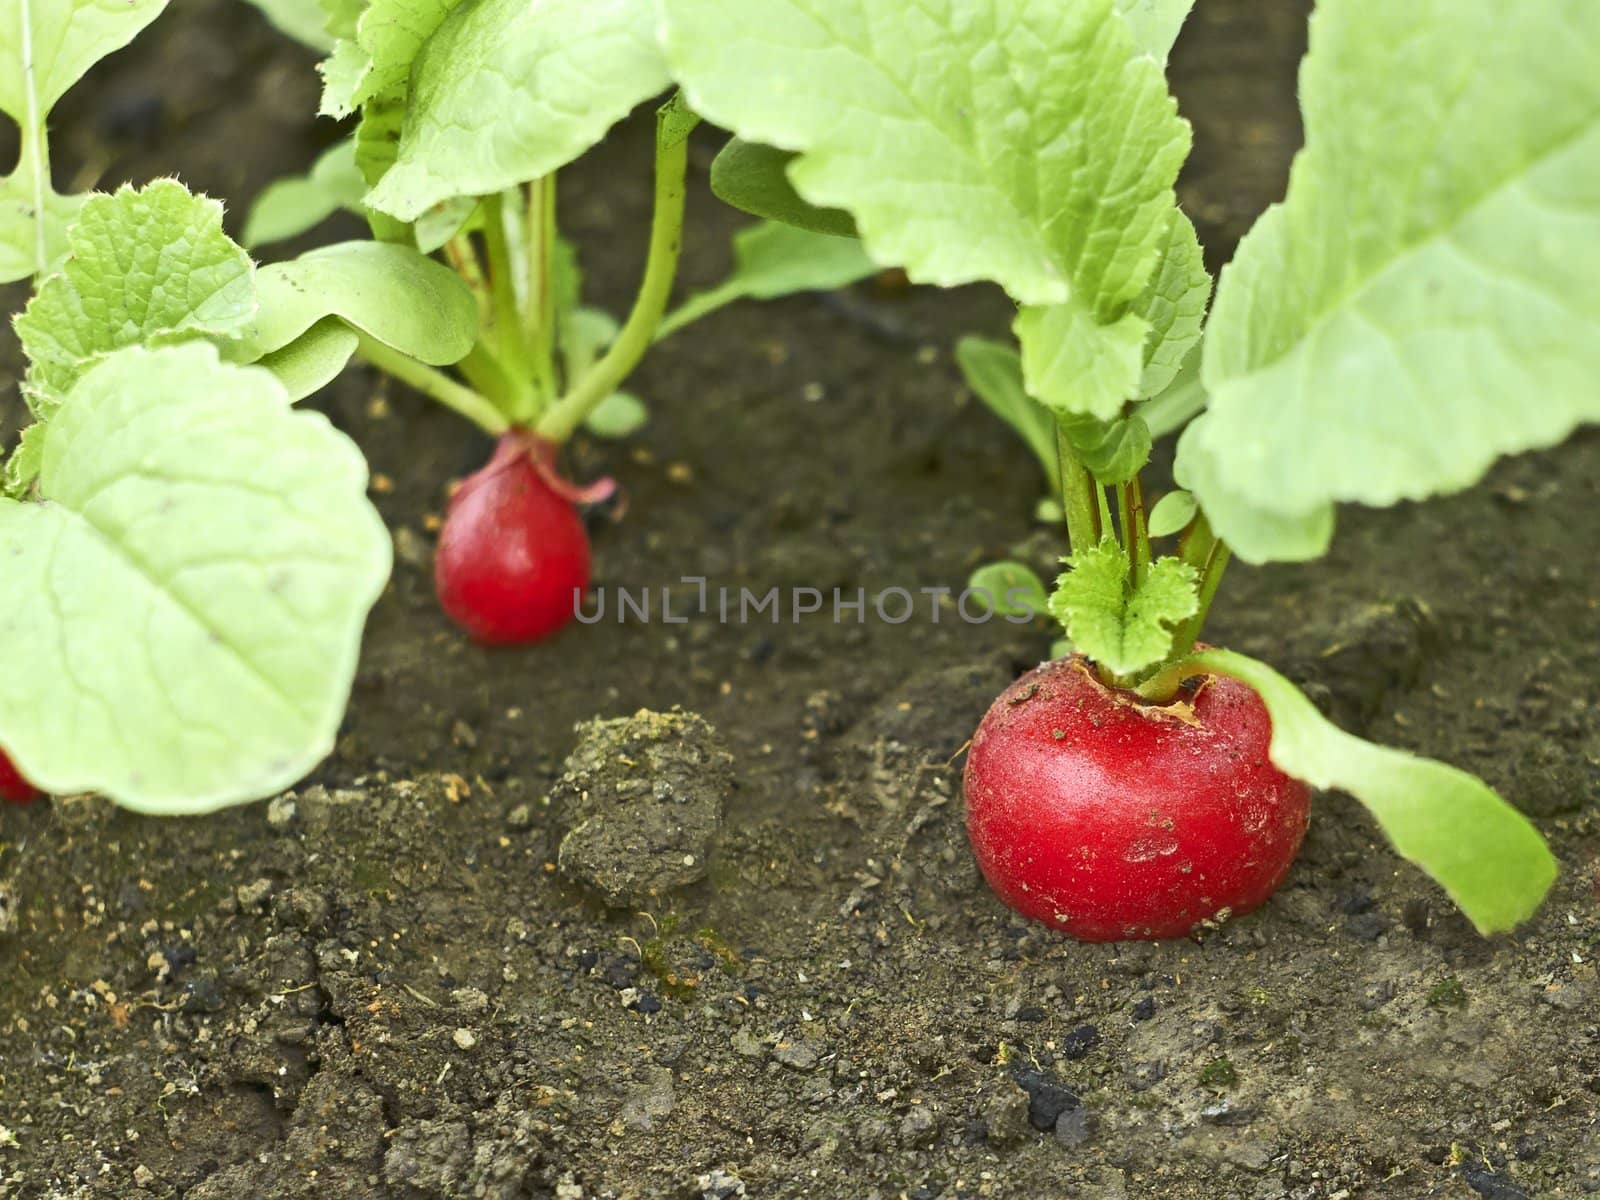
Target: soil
381, 985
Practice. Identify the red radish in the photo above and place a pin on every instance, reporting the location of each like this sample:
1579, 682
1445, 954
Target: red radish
1114, 820
513, 555
13, 786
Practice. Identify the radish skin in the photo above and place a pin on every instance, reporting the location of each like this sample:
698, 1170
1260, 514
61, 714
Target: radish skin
1112, 820
513, 557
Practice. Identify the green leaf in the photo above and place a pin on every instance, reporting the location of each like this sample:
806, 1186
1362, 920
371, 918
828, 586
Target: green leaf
1028, 142
1179, 403
436, 226
617, 416
994, 373
1121, 627
303, 20
147, 267
1155, 23
507, 91
45, 48
289, 207
773, 260
755, 178
388, 36
1484, 853
585, 335
310, 362
1172, 514
1113, 451
1009, 589
1174, 304
391, 293
341, 18
1424, 299
182, 616
1079, 365
33, 226
377, 144
22, 468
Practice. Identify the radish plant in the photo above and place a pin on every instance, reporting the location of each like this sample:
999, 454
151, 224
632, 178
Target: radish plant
1420, 303
467, 112
188, 559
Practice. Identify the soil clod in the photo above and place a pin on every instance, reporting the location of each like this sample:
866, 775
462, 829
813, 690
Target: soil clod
642, 799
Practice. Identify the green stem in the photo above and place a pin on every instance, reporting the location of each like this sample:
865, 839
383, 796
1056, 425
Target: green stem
1161, 687
462, 256
1083, 527
1104, 507
505, 325
1134, 492
488, 375
661, 266
1197, 542
33, 165
540, 317
1128, 535
434, 384
1187, 634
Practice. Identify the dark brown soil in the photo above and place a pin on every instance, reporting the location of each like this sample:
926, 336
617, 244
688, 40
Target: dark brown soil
381, 987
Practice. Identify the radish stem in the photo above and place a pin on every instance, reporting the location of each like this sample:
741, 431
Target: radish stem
661, 266
540, 318
1082, 524
434, 384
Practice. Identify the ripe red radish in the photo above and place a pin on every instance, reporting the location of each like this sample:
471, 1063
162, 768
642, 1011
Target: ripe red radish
1112, 820
13, 786
513, 554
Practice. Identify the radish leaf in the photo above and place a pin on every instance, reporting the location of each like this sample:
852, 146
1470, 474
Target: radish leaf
150, 267
1174, 304
491, 94
1114, 451
304, 20
1172, 514
313, 359
374, 55
289, 207
1012, 589
183, 614
1155, 23
391, 293
994, 373
1123, 627
755, 179
1027, 142
45, 48
1484, 853
1179, 402
773, 260
617, 416
1424, 299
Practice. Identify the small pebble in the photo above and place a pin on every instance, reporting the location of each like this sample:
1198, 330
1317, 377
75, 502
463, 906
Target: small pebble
252, 894
281, 812
465, 1039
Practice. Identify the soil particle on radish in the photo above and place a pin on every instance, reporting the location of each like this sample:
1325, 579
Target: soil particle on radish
641, 799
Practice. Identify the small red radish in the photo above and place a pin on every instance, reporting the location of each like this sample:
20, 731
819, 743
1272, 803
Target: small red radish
513, 554
13, 787
1114, 820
